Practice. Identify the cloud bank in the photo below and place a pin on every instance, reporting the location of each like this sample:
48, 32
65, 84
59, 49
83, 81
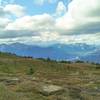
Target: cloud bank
79, 24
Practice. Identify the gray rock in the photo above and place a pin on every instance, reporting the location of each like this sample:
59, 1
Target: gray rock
12, 81
48, 89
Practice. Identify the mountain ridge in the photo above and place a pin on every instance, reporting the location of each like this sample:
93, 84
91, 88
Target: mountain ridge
57, 51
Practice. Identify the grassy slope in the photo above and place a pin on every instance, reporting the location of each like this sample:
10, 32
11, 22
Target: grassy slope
74, 75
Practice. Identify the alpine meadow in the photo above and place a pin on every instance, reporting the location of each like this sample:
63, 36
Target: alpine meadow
49, 49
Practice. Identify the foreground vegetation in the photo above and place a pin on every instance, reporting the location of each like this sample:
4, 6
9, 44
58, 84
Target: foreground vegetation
20, 78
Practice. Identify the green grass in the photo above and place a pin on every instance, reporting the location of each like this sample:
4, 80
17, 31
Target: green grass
6, 94
72, 75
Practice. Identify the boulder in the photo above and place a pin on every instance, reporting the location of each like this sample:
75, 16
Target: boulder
48, 89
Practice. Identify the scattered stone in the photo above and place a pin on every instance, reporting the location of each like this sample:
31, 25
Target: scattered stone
34, 79
48, 89
12, 81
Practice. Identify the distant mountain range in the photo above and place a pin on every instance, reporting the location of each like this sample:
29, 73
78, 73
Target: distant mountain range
70, 52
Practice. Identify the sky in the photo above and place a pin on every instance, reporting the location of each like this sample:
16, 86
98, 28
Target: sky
46, 22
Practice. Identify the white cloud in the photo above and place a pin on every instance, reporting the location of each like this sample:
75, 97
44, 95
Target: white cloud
80, 13
41, 2
81, 38
79, 25
4, 22
52, 38
6, 2
52, 1
34, 23
17, 10
85, 10
61, 9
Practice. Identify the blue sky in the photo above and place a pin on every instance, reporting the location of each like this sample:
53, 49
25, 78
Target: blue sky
36, 7
45, 22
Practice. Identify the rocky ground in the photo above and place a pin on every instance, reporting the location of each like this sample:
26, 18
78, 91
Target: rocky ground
40, 79
70, 87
